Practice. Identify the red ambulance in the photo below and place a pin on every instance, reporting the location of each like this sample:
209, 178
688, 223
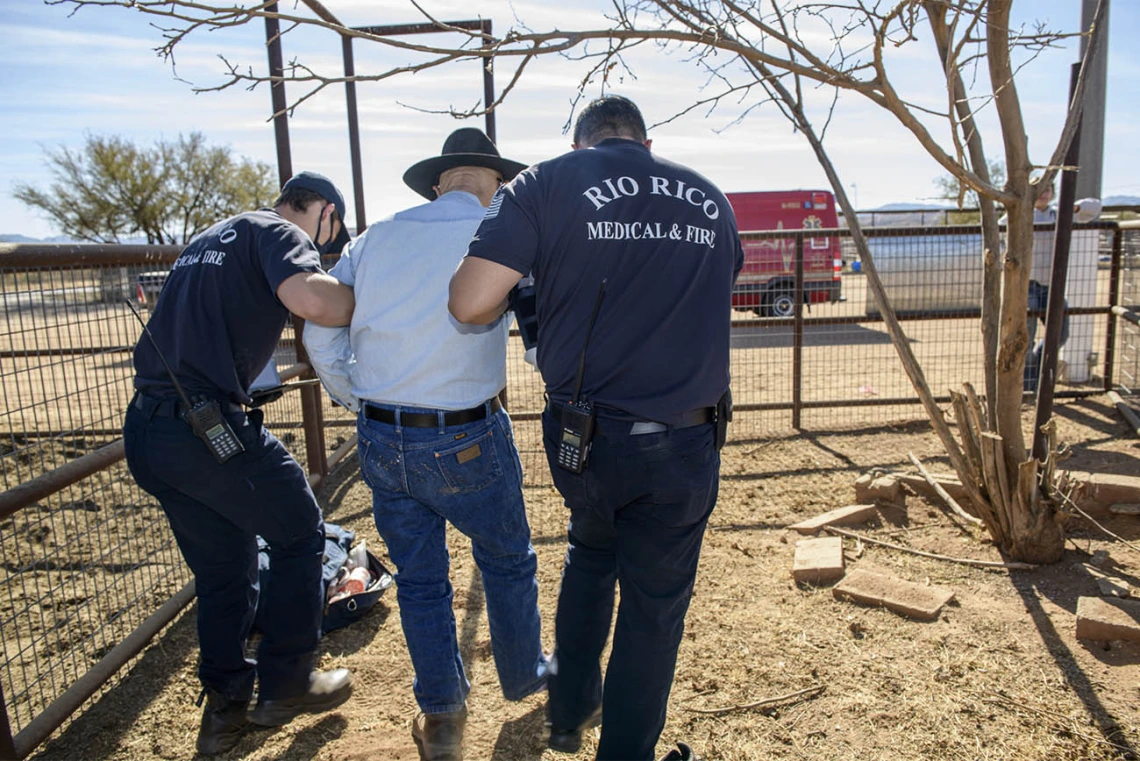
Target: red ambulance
766, 283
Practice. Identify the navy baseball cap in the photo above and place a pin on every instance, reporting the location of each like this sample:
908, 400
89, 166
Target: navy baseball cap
323, 187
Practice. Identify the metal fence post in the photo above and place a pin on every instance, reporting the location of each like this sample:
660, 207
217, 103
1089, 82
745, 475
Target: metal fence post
353, 133
7, 746
798, 336
312, 416
277, 96
488, 79
1055, 310
1113, 301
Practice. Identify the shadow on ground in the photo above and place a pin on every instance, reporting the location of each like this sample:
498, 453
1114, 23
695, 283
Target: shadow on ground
97, 732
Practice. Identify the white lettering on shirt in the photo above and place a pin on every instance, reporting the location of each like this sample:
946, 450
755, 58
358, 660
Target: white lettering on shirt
611, 189
625, 231
209, 256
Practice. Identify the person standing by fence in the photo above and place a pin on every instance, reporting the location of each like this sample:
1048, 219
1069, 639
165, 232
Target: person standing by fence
634, 259
1041, 272
216, 324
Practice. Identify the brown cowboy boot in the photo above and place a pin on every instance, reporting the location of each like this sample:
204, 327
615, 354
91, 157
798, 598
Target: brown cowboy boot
439, 736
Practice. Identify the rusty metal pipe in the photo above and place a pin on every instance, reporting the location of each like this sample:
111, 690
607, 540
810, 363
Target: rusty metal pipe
341, 452
22, 495
1113, 301
798, 337
42, 256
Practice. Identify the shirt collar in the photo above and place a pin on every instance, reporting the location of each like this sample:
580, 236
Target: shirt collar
622, 142
459, 196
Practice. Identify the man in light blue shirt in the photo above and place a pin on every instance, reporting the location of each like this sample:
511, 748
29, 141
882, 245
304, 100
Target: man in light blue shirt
435, 444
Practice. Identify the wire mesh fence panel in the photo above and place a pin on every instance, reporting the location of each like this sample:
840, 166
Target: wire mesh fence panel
85, 565
846, 371
82, 568
1128, 352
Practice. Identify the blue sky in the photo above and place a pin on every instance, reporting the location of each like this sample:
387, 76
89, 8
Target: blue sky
64, 76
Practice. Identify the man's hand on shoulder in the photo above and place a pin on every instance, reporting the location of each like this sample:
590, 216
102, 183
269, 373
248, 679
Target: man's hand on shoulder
478, 291
317, 297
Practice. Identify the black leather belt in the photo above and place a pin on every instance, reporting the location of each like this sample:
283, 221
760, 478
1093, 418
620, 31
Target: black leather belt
153, 406
688, 420
430, 419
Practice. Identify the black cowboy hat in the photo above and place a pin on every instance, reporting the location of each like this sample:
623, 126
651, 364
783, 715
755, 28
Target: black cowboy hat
466, 146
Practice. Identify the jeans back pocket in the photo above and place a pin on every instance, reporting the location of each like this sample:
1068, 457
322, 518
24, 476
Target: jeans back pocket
471, 464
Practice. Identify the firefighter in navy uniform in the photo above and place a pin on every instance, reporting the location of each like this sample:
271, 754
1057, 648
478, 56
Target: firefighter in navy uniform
664, 241
217, 321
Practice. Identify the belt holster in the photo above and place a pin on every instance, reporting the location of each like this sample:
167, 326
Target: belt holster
723, 417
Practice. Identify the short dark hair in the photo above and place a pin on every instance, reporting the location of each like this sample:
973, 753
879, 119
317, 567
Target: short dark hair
300, 199
608, 116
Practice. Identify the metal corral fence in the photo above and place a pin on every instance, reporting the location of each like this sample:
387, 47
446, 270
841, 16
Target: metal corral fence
1127, 377
90, 570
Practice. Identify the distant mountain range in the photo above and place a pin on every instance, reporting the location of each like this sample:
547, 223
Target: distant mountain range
17, 238
1109, 201
14, 238
921, 216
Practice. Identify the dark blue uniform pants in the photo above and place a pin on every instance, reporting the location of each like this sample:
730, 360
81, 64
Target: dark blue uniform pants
216, 511
637, 517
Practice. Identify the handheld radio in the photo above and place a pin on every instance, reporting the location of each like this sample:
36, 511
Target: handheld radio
577, 417
204, 416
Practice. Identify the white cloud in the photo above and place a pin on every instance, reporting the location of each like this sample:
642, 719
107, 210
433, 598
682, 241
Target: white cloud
97, 72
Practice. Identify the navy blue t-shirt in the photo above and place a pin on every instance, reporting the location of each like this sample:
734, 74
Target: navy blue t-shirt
218, 318
665, 240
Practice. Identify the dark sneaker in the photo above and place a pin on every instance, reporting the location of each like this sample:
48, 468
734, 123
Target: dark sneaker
570, 740
327, 690
681, 753
439, 736
223, 722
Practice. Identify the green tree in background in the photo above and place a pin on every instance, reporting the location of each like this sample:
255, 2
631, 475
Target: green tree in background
112, 189
950, 188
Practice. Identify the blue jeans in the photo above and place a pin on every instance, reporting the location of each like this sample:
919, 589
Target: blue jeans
637, 518
216, 513
468, 475
1039, 299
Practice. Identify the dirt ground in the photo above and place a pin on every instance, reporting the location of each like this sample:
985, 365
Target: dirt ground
999, 675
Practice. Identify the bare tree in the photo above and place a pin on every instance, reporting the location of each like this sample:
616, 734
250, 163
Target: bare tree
756, 52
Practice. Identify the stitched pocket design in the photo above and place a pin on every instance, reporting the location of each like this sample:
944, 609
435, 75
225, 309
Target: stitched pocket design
471, 464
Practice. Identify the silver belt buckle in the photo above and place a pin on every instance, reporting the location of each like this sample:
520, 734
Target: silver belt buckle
646, 426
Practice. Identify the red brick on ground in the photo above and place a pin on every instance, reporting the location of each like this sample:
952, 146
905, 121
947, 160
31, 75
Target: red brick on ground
905, 597
842, 516
1104, 619
818, 560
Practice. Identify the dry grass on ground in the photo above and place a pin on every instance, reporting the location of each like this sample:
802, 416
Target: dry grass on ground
999, 675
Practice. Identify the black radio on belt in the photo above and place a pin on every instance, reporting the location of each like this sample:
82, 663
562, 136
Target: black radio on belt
204, 416
206, 420
577, 421
577, 418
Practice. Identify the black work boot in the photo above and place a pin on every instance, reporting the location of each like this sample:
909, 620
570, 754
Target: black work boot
223, 722
327, 690
439, 736
681, 753
570, 740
